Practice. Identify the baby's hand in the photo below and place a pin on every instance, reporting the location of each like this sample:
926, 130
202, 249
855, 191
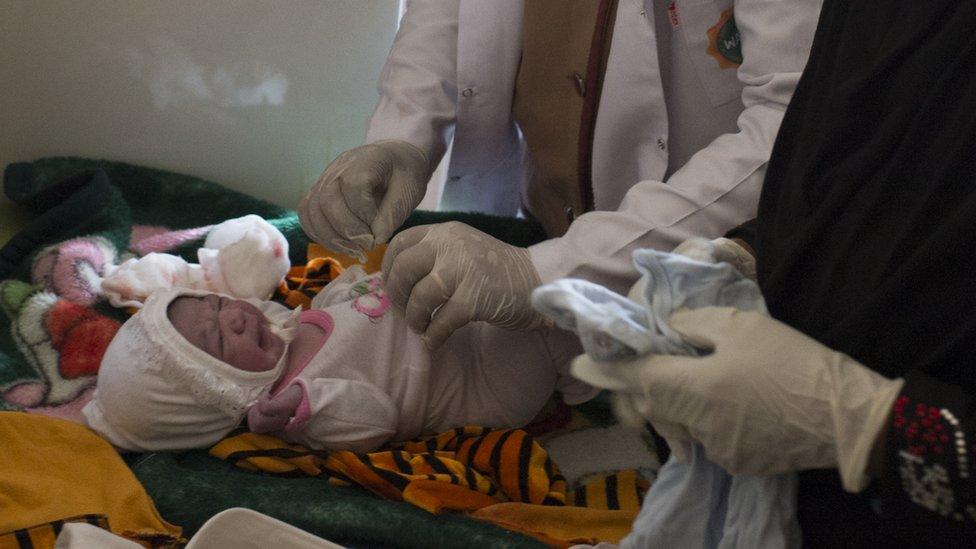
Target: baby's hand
271, 414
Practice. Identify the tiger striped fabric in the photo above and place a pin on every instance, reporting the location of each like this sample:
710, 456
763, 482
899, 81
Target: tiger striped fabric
304, 282
623, 490
463, 469
44, 535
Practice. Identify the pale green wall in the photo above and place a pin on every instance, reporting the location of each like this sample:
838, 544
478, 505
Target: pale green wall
256, 94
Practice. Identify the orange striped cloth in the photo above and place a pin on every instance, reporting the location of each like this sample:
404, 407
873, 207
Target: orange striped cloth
464, 469
500, 476
304, 282
44, 535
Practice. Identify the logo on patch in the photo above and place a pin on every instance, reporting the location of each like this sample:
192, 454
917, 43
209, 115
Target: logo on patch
724, 42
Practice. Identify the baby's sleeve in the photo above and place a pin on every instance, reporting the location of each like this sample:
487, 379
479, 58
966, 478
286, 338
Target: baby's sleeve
343, 414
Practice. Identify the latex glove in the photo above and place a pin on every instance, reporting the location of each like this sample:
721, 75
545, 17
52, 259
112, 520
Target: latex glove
444, 276
270, 414
768, 399
628, 402
717, 251
364, 195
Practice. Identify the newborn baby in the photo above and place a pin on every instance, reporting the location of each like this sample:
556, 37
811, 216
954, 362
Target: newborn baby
346, 375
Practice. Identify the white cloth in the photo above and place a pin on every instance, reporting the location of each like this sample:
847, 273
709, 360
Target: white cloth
81, 535
240, 528
234, 528
371, 381
613, 327
244, 257
693, 502
698, 504
452, 69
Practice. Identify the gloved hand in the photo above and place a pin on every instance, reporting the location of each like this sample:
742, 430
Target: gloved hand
717, 251
364, 195
446, 275
768, 399
270, 414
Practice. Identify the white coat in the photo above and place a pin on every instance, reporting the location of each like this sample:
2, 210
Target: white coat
451, 73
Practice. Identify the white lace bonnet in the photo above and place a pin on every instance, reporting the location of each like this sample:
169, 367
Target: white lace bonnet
157, 391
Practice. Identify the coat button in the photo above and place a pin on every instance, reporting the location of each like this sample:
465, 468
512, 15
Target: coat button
467, 92
661, 143
570, 214
580, 83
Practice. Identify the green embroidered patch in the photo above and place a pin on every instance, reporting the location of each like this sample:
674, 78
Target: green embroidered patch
724, 41
728, 42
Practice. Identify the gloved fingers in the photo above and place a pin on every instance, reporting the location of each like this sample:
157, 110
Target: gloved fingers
363, 188
406, 171
429, 294
616, 376
634, 410
676, 434
681, 450
446, 320
406, 262
673, 431
704, 328
390, 214
404, 241
403, 195
669, 381
317, 226
311, 220
625, 406
352, 232
697, 248
308, 208
678, 439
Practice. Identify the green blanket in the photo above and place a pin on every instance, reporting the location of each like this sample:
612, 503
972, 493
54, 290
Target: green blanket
84, 209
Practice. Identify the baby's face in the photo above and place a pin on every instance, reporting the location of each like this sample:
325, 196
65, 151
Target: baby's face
229, 330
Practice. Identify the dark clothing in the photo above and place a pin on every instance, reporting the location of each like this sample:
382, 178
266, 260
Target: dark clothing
866, 241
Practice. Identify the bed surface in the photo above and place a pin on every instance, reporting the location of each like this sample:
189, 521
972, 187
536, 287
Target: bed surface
78, 200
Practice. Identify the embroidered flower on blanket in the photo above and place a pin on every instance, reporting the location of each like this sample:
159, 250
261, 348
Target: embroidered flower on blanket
62, 341
245, 257
74, 269
62, 338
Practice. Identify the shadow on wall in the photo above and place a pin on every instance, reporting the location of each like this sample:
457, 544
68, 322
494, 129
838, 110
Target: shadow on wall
259, 96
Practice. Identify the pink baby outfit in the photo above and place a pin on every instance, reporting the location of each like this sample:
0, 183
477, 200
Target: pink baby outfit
367, 380
373, 380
